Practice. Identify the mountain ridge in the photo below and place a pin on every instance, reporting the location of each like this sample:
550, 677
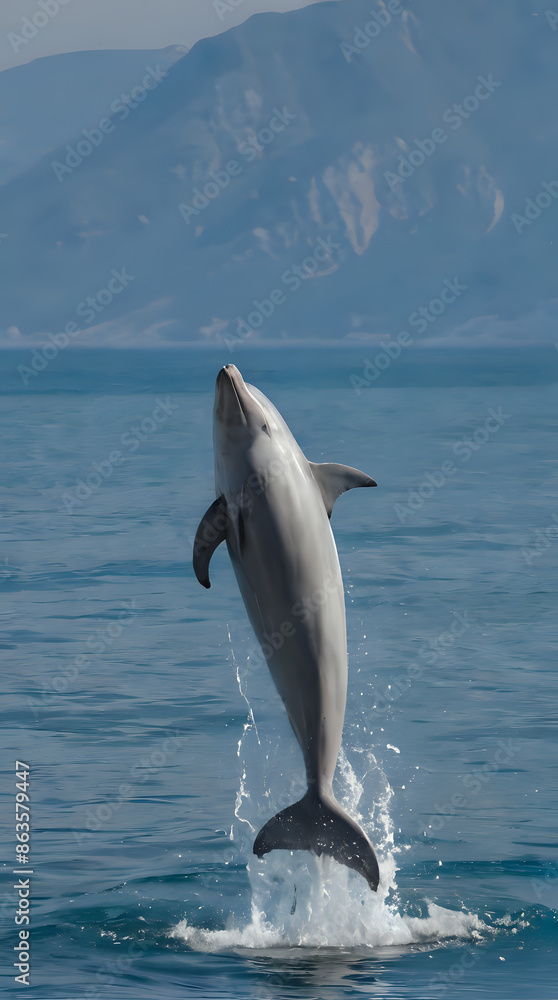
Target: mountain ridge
325, 174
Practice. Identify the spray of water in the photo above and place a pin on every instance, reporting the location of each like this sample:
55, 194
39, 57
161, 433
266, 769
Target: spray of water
299, 900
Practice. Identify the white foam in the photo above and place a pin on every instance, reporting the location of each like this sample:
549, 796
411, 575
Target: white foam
329, 915
334, 908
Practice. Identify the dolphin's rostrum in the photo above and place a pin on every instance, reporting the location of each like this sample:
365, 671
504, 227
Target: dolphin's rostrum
272, 509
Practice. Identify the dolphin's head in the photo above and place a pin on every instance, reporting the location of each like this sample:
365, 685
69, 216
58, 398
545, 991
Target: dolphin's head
248, 432
238, 416
239, 419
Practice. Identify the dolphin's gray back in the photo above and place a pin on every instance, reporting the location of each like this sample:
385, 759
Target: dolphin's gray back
290, 579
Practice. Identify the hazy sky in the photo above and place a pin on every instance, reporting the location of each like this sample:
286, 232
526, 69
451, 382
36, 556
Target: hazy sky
118, 24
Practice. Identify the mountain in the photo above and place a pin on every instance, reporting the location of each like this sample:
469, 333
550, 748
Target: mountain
44, 104
399, 147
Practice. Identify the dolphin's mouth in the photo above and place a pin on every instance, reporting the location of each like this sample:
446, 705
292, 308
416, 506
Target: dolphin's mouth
231, 371
234, 403
228, 396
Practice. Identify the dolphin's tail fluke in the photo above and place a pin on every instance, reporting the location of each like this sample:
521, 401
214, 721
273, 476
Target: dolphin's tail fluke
318, 823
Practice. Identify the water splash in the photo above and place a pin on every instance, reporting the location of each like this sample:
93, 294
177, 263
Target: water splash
301, 901
242, 680
329, 919
243, 791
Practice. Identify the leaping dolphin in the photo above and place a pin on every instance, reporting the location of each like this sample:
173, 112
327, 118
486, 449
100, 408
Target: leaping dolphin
273, 509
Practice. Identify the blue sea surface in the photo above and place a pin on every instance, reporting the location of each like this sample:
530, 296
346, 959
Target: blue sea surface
157, 744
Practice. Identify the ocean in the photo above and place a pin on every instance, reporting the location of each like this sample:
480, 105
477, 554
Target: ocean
154, 744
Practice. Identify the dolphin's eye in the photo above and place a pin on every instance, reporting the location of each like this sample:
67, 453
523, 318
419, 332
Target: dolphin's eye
266, 429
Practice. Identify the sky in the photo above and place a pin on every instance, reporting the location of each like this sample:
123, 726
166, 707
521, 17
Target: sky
76, 25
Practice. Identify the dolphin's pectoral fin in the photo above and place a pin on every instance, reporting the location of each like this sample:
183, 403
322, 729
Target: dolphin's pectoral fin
334, 480
322, 826
211, 532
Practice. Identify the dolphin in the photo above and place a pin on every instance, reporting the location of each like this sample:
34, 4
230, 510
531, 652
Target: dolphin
272, 509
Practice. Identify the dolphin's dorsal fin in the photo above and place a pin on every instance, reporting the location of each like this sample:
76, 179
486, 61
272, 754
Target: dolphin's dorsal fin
211, 532
334, 480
